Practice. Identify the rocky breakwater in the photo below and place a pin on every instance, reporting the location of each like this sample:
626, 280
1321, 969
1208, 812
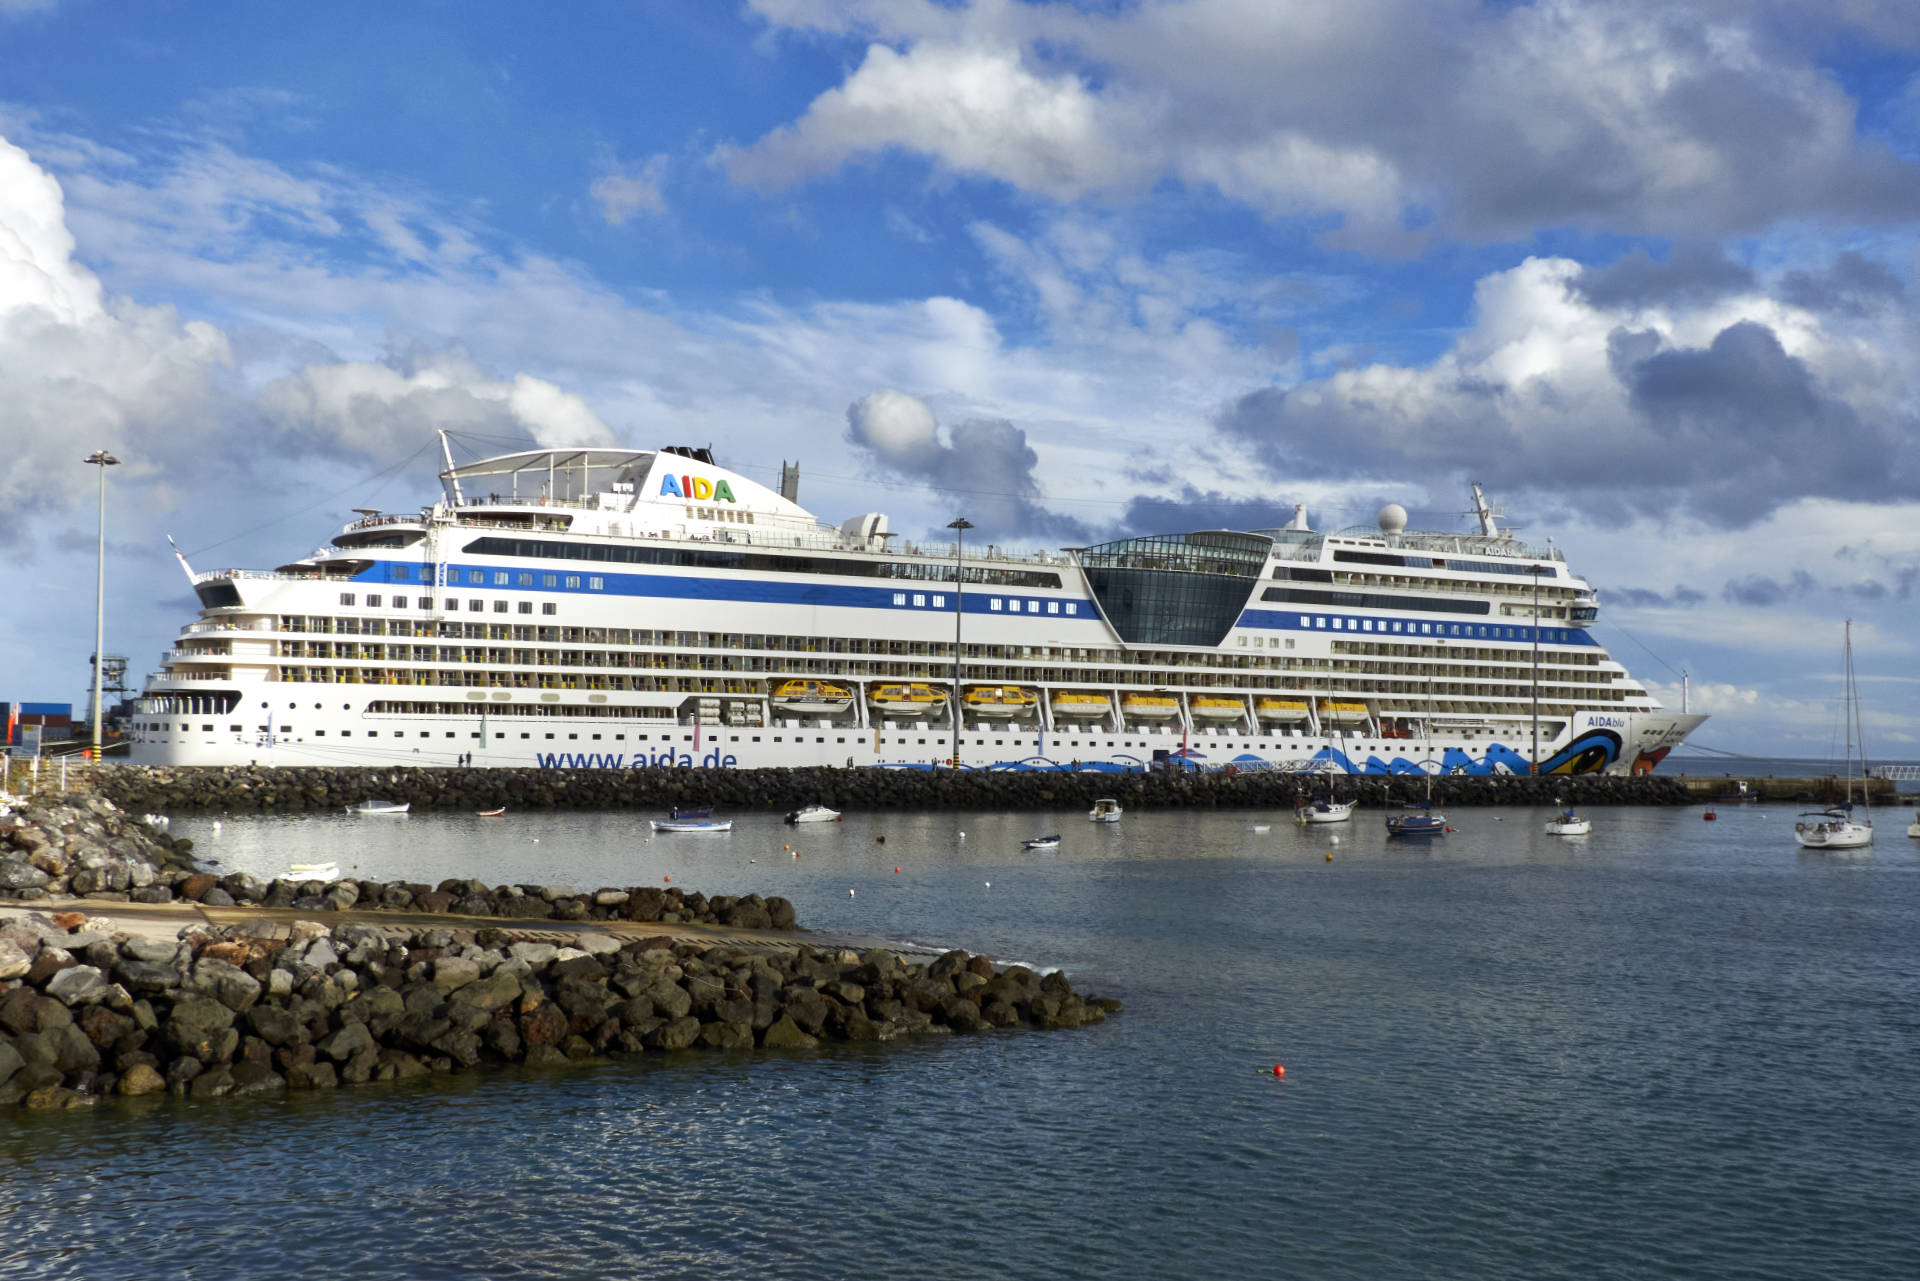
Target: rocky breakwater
85, 845
243, 789
87, 1013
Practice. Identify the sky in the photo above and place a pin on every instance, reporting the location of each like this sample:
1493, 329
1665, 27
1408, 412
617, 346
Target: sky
1645, 269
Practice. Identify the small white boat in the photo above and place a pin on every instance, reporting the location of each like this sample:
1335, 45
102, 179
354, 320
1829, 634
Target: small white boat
499, 813
1041, 843
1837, 828
379, 807
693, 825
328, 871
1913, 828
814, 814
1570, 824
1105, 810
1325, 810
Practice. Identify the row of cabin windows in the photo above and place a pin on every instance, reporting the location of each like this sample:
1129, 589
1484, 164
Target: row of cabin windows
376, 600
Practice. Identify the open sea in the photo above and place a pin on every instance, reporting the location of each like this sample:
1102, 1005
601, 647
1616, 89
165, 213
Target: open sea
1670, 1049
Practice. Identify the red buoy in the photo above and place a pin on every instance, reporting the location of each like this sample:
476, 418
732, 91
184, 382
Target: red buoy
1278, 1070
1709, 816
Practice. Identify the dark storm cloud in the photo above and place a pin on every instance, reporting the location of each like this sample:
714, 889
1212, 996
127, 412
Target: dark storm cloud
1760, 591
1195, 509
1691, 274
986, 466
1852, 286
1645, 598
1727, 433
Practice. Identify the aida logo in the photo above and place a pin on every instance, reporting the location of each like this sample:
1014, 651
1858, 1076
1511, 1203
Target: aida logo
696, 487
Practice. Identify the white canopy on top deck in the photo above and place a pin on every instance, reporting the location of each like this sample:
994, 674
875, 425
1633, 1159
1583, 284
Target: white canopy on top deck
638, 477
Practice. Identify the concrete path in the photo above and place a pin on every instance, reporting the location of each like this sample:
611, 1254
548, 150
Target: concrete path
166, 920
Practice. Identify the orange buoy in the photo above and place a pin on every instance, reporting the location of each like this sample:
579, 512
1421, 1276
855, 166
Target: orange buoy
896, 871
666, 878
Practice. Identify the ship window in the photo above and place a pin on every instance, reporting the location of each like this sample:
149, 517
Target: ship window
286, 729
319, 733
939, 602
499, 607
476, 606
919, 601
500, 578
346, 598
426, 602
549, 580
522, 736
573, 582
1033, 607
526, 607
1072, 608
549, 608
996, 603
233, 729
597, 584
374, 601
1053, 607
399, 573
526, 580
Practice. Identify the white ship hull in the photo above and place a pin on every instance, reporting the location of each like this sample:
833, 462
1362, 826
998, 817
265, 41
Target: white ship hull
560, 634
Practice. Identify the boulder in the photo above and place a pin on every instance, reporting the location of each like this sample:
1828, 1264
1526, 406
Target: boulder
785, 1034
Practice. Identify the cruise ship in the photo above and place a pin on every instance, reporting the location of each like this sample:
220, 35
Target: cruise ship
598, 608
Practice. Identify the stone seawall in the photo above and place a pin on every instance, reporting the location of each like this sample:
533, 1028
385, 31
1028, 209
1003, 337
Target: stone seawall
86, 1012
177, 790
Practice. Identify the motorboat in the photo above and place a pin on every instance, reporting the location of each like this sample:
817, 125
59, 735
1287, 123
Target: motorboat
813, 814
1913, 828
1207, 707
499, 813
1417, 821
1324, 809
1042, 843
693, 825
1569, 823
1150, 707
915, 699
812, 698
379, 807
327, 871
1105, 810
999, 702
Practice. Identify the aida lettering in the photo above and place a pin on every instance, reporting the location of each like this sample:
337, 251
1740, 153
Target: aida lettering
696, 487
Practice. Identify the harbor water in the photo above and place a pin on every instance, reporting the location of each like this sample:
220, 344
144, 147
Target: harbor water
1669, 1049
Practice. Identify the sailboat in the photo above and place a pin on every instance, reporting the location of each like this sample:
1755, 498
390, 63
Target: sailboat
1419, 818
1835, 828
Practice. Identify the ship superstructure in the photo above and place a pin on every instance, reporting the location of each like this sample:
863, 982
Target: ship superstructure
599, 608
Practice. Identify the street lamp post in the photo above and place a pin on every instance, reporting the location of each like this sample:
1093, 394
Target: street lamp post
103, 460
959, 526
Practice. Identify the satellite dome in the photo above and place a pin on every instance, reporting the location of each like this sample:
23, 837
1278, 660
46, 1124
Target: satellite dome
1393, 518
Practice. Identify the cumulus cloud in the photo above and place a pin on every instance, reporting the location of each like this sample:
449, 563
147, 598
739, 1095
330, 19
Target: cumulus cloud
627, 191
985, 464
390, 408
1724, 410
80, 370
1483, 121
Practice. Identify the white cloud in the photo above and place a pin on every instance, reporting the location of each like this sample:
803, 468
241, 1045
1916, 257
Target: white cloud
626, 192
1401, 117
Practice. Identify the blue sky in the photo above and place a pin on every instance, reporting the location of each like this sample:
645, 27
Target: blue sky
1646, 269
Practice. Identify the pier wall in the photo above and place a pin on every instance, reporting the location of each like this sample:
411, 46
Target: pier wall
250, 789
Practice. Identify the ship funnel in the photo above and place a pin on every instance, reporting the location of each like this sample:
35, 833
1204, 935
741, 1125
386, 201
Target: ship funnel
1299, 520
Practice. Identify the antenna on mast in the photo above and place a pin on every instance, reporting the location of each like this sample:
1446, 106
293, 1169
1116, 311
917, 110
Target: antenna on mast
1486, 514
452, 481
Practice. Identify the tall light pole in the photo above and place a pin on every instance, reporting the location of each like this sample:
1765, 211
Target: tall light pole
959, 526
103, 460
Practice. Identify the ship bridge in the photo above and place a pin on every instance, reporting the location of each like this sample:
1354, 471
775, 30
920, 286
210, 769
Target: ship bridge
1175, 589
